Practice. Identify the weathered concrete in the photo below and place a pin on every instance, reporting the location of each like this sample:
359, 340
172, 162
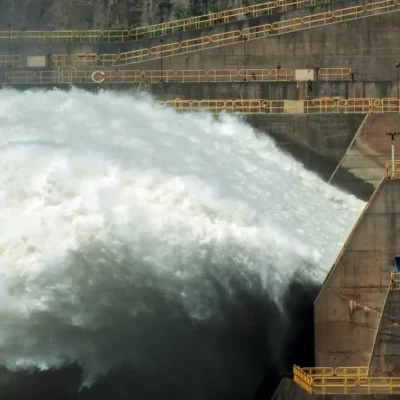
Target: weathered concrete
41, 22
288, 390
24, 49
349, 307
366, 158
385, 359
348, 44
318, 141
245, 90
329, 46
269, 90
94, 14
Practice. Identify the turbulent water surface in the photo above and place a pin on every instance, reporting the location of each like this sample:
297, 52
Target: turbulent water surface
166, 243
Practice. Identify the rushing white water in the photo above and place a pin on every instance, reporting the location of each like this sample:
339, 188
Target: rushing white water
119, 217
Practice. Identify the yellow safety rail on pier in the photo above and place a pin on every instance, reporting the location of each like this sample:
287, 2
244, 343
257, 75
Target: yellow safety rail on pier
395, 276
182, 25
393, 172
344, 380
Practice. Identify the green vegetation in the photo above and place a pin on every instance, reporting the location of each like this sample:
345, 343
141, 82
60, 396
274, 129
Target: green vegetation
193, 9
181, 11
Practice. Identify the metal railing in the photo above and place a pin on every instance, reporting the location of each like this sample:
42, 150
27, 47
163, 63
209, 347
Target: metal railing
256, 32
183, 76
150, 31
83, 75
263, 106
65, 36
110, 60
9, 61
302, 379
392, 171
212, 19
203, 42
345, 380
395, 279
335, 73
231, 37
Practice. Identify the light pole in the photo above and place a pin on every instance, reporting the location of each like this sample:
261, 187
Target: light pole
393, 134
278, 69
161, 59
9, 42
397, 75
245, 57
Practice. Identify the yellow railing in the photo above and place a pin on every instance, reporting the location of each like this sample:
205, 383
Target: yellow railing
302, 379
133, 76
204, 42
66, 36
322, 105
393, 172
345, 380
395, 281
226, 16
335, 73
9, 61
164, 28
236, 36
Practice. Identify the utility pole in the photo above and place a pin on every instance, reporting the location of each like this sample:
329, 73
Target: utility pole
161, 59
392, 135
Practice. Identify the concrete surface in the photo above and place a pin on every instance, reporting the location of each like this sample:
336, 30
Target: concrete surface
333, 45
349, 307
385, 359
366, 158
245, 90
94, 14
40, 22
348, 44
318, 141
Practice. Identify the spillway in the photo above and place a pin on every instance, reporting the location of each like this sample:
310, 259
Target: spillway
174, 245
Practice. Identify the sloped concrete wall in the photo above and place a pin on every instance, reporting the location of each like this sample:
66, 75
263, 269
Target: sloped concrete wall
368, 45
385, 359
349, 307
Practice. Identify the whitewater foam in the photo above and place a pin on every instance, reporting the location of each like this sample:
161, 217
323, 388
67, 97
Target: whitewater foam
119, 217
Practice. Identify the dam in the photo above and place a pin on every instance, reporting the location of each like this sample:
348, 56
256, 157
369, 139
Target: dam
199, 202
356, 312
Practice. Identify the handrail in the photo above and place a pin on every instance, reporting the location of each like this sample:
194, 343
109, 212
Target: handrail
9, 61
183, 76
351, 380
202, 42
245, 106
335, 73
276, 28
395, 280
151, 31
264, 106
393, 171
319, 371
